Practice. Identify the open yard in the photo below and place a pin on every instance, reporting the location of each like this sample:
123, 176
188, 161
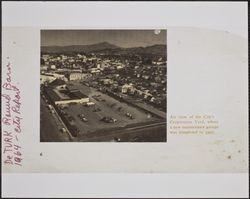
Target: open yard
105, 106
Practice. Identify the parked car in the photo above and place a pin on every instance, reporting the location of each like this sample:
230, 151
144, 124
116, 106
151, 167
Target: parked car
63, 130
129, 115
117, 139
80, 115
84, 119
96, 110
109, 119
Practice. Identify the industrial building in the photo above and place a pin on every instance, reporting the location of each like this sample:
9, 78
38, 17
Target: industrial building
59, 94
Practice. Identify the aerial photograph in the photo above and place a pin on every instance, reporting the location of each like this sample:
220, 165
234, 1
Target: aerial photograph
103, 85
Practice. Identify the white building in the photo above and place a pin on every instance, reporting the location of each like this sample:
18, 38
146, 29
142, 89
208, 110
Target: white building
46, 78
77, 76
53, 67
107, 81
84, 100
56, 76
64, 57
44, 68
94, 70
50, 77
127, 88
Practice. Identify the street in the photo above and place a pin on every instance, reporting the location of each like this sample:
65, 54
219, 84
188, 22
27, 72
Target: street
50, 126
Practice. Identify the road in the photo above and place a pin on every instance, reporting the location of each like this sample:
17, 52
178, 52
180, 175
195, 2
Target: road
145, 133
50, 125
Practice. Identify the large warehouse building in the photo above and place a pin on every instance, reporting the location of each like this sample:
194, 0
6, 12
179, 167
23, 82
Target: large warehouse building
61, 94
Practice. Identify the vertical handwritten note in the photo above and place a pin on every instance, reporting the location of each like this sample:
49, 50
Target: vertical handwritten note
11, 119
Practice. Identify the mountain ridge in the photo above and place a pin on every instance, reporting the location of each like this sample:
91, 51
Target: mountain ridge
105, 47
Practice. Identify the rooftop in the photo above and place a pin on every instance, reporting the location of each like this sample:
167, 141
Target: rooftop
60, 95
58, 82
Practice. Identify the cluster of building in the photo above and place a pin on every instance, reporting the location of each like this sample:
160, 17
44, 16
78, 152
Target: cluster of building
60, 94
76, 67
129, 76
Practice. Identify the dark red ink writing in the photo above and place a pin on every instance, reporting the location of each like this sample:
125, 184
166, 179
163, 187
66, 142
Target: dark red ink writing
11, 119
7, 111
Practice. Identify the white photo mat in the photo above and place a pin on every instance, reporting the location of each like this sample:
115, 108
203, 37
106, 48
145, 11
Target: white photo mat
207, 75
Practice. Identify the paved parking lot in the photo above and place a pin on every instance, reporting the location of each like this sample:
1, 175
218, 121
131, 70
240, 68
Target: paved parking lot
109, 107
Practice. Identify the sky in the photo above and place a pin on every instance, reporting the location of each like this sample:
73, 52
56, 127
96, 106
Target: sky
121, 38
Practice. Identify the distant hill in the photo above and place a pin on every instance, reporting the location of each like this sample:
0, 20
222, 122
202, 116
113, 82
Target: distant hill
155, 50
78, 48
105, 48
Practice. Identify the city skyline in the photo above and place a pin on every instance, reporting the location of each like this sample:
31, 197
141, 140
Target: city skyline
120, 38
